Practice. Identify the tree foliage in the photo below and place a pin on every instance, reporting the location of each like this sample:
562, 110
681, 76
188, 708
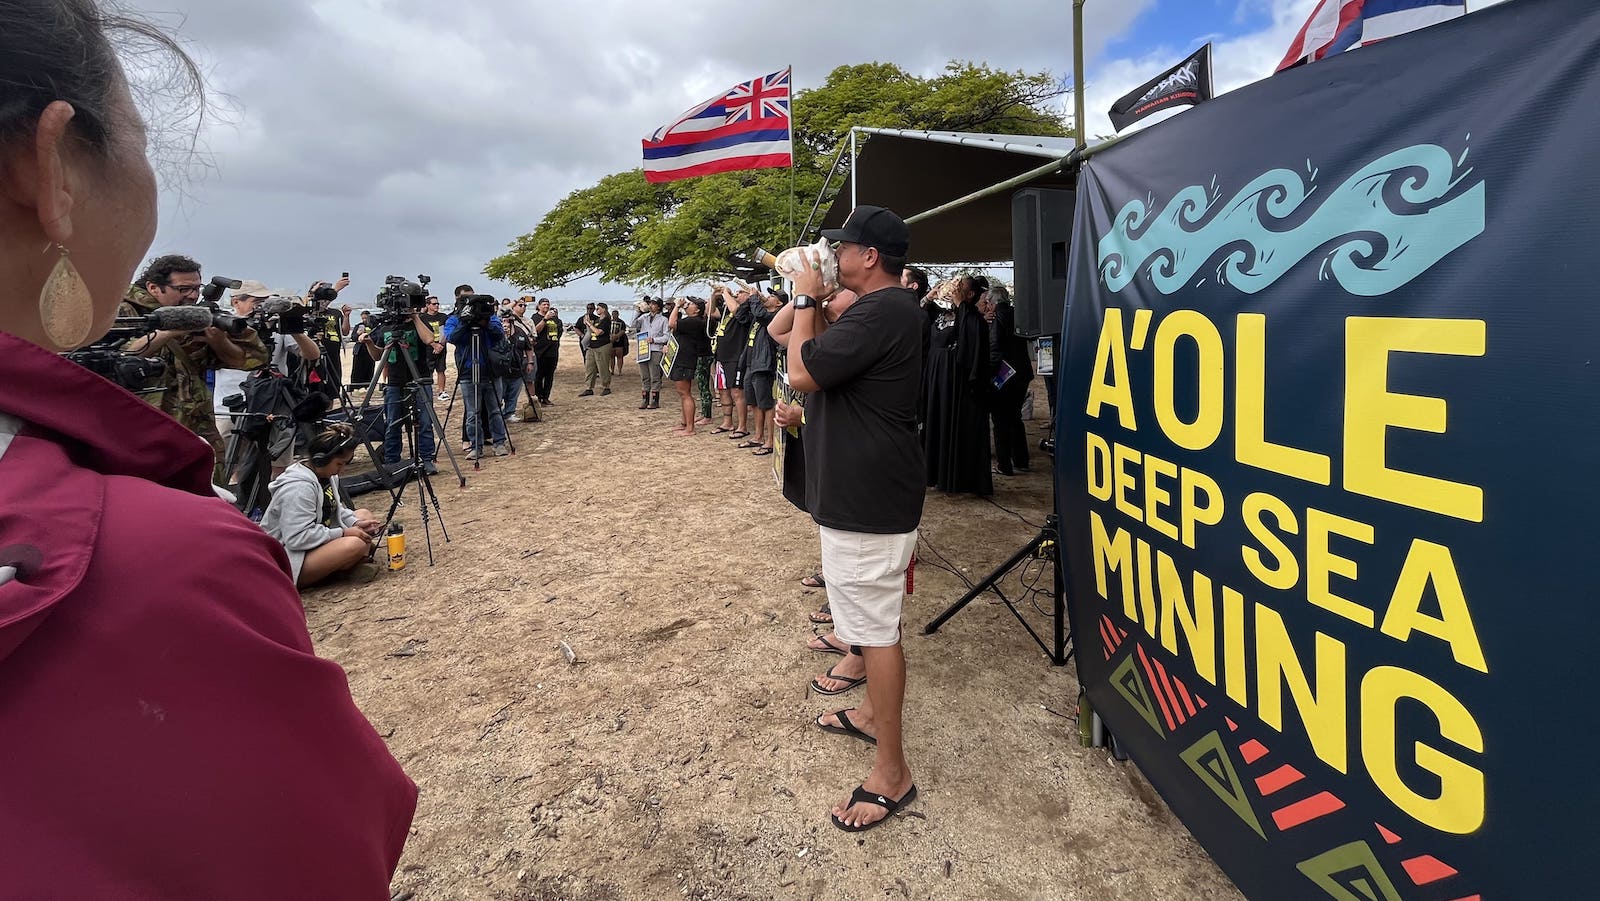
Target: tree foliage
628, 231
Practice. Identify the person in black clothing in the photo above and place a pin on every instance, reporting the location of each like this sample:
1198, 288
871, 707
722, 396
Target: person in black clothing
547, 348
733, 334
361, 363
688, 324
956, 420
863, 476
915, 279
1007, 349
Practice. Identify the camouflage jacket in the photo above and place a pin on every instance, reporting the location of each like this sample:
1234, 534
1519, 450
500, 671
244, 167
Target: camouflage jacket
185, 396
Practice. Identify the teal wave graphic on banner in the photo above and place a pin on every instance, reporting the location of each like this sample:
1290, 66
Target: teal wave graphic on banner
1383, 248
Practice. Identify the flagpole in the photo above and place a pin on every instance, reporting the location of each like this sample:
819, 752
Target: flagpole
1077, 70
792, 156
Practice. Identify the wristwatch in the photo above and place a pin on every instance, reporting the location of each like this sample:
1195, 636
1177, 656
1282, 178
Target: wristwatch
804, 302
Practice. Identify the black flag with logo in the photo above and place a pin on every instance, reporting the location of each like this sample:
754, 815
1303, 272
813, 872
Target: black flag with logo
1186, 84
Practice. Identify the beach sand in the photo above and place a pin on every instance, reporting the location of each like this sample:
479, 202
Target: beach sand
677, 756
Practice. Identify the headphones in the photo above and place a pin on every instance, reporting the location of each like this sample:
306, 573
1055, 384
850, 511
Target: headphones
342, 438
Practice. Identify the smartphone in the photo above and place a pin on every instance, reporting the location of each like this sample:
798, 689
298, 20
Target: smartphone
344, 275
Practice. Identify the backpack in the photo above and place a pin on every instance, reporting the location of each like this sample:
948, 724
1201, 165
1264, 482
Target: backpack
505, 361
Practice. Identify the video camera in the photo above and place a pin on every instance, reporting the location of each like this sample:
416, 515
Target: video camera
477, 309
402, 297
210, 299
139, 375
279, 316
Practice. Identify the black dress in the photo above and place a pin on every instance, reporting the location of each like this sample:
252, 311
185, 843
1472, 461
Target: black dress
955, 437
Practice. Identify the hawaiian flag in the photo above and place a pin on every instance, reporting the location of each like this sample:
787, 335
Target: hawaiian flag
1338, 25
745, 128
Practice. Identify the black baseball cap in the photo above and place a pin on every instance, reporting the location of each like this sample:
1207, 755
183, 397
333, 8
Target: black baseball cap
873, 226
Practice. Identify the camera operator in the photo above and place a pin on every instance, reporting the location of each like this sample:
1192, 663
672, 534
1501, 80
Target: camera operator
546, 347
434, 318
289, 354
170, 281
408, 336
330, 327
474, 317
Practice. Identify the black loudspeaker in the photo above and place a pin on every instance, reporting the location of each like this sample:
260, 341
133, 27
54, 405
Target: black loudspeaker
1041, 233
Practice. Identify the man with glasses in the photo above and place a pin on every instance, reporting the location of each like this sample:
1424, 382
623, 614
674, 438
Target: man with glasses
434, 318
170, 281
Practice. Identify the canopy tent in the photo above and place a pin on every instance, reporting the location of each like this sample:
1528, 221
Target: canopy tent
918, 173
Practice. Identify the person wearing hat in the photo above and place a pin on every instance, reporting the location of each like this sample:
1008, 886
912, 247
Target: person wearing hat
169, 281
307, 517
228, 382
860, 362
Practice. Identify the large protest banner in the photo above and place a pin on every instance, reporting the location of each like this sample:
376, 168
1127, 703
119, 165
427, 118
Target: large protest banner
1329, 463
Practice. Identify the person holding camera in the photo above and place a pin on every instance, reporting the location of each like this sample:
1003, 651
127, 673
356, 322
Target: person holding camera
650, 331
170, 730
291, 352
394, 340
546, 348
169, 281
473, 328
307, 516
519, 372
595, 329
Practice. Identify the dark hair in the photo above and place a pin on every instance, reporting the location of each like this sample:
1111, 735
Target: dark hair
919, 277
332, 441
601, 306
60, 50
890, 264
464, 289
700, 304
160, 269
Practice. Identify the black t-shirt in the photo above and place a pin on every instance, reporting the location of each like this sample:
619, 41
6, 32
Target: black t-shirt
864, 463
435, 323
548, 337
692, 337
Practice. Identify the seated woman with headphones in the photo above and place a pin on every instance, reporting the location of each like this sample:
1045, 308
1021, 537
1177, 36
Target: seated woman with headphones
323, 537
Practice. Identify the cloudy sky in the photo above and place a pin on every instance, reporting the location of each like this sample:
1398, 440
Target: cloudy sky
404, 136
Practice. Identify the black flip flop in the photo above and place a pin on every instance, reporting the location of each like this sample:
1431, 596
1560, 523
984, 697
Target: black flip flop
862, 796
814, 578
830, 649
737, 434
837, 678
765, 451
823, 611
845, 727
720, 430
746, 445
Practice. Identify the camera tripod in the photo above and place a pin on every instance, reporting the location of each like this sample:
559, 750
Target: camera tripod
488, 409
1045, 545
415, 468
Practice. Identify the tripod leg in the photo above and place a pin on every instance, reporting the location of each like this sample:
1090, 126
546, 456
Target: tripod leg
988, 583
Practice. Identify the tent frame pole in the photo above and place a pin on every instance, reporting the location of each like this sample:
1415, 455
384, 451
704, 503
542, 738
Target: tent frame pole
1077, 73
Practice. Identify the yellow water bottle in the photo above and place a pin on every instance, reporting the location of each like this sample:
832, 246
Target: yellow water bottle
397, 547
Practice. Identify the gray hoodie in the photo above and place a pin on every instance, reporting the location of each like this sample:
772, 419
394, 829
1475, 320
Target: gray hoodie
294, 517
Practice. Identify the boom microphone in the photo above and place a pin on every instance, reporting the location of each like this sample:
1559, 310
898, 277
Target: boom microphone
175, 319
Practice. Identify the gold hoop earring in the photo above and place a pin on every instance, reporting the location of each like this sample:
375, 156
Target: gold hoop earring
66, 310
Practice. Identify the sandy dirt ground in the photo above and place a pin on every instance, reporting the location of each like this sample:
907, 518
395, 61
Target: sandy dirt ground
677, 757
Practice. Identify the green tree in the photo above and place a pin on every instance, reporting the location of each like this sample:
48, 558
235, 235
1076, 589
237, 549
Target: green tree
628, 231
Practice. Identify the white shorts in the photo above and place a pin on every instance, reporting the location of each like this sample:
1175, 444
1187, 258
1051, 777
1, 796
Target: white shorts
866, 580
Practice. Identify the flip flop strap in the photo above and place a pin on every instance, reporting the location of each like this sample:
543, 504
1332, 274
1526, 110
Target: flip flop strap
862, 796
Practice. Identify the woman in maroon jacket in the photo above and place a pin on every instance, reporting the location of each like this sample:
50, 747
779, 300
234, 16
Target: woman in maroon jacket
167, 729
